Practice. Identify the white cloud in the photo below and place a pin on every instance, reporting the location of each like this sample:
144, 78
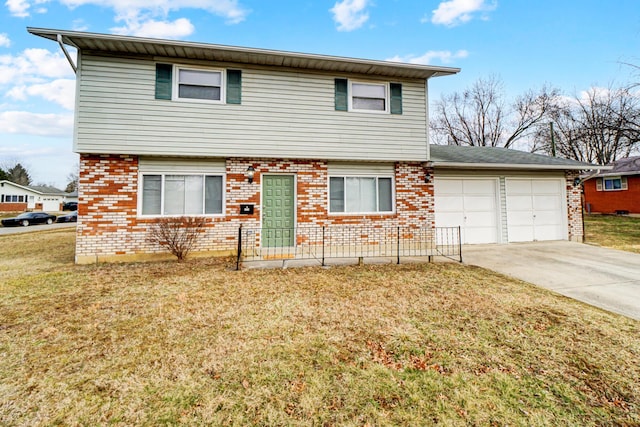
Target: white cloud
350, 14
231, 10
4, 40
61, 91
443, 56
33, 66
455, 12
20, 8
179, 28
24, 122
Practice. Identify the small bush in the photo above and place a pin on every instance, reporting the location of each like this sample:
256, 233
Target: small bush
177, 234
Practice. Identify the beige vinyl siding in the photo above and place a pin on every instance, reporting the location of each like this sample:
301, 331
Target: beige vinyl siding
181, 165
284, 114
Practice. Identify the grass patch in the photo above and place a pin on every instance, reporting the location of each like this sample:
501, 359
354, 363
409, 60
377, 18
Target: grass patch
617, 232
194, 343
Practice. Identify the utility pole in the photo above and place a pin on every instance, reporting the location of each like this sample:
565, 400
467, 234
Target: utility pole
553, 141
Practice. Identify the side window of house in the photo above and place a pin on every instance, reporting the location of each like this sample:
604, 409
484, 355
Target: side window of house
368, 96
360, 194
175, 82
614, 183
172, 194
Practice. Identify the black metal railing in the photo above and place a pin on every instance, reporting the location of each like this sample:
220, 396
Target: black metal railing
347, 241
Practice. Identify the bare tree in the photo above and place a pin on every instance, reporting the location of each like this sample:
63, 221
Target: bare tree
479, 116
178, 235
72, 182
599, 126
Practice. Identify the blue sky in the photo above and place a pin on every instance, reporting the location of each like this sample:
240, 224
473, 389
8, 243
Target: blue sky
572, 45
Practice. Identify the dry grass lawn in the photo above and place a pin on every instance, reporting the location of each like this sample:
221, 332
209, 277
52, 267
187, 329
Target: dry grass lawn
617, 232
194, 343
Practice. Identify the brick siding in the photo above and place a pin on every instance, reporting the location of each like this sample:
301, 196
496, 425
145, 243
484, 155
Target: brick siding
609, 202
109, 228
574, 207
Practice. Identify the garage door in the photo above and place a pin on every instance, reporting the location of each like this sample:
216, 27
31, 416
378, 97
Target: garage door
535, 210
470, 204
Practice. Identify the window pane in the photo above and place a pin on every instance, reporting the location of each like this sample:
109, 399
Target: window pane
368, 104
385, 197
200, 78
174, 195
193, 195
213, 195
336, 194
151, 188
199, 92
368, 91
617, 184
360, 194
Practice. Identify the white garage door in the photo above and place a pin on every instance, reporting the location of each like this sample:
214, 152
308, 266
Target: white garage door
535, 209
470, 204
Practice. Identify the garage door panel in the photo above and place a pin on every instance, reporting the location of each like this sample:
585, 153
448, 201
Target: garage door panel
448, 186
519, 203
536, 214
450, 204
545, 187
480, 203
470, 204
444, 219
479, 186
481, 219
547, 202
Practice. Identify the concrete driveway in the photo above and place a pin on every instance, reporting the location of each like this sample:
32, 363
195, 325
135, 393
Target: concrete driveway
602, 277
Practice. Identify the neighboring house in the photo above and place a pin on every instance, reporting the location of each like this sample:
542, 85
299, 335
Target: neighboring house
272, 140
616, 190
17, 198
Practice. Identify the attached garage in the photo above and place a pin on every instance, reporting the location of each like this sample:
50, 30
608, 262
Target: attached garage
496, 195
469, 203
536, 209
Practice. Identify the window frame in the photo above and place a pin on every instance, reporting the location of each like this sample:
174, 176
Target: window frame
175, 92
612, 178
163, 176
387, 98
377, 187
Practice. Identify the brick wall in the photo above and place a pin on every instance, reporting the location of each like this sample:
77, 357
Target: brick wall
612, 201
109, 228
574, 207
13, 207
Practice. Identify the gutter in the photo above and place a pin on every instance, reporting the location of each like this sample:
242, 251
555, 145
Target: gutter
459, 165
66, 53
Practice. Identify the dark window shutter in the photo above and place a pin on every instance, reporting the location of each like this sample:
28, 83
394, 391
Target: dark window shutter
342, 95
396, 98
234, 86
163, 81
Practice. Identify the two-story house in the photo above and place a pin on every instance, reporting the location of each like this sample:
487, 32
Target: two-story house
281, 140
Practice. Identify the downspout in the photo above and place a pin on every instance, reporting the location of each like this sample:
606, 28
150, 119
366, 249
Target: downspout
66, 53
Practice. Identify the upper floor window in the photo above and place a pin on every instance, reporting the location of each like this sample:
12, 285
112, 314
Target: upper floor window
368, 96
199, 84
374, 97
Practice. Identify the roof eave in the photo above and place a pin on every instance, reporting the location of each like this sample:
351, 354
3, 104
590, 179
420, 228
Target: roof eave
116, 43
459, 165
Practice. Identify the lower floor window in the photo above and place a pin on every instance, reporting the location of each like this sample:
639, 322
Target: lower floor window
612, 183
181, 194
354, 194
12, 198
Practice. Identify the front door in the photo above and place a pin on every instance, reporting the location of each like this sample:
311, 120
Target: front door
278, 210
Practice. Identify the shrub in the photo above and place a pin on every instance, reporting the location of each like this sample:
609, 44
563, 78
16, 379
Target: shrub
177, 234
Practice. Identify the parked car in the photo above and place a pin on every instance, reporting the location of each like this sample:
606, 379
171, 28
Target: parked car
72, 217
29, 218
70, 206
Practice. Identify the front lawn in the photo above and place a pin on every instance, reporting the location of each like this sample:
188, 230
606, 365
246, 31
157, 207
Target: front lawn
196, 344
613, 231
